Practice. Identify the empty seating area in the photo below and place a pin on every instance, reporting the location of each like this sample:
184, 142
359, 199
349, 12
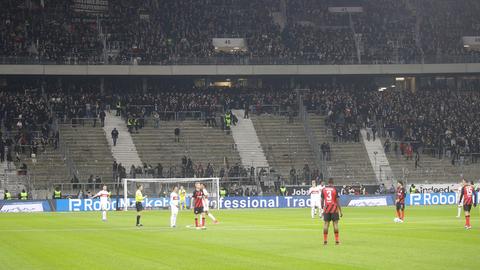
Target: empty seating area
430, 169
88, 149
284, 144
46, 168
349, 162
201, 144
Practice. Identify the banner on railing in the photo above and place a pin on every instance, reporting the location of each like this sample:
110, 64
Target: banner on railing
471, 41
90, 6
345, 9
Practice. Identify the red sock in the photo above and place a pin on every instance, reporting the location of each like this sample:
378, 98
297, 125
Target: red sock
398, 214
467, 220
196, 222
325, 237
336, 236
203, 222
403, 215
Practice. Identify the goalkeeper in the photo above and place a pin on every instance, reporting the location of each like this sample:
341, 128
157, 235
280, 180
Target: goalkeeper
183, 198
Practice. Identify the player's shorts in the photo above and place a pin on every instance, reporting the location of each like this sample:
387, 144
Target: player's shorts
331, 217
467, 207
197, 210
104, 206
400, 206
139, 206
315, 203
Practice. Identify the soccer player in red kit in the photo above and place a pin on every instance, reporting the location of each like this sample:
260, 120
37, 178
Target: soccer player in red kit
197, 205
469, 197
400, 202
331, 210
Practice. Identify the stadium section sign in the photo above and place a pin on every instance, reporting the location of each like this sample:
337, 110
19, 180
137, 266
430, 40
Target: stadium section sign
345, 9
229, 44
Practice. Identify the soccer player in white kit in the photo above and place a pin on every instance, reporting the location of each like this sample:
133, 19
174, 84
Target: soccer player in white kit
206, 205
174, 203
458, 190
104, 196
315, 198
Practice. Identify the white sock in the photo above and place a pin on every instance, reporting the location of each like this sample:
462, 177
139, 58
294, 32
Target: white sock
104, 215
313, 212
211, 216
459, 211
173, 219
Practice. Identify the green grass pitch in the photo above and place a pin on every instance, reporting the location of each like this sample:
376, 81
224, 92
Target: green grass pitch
431, 238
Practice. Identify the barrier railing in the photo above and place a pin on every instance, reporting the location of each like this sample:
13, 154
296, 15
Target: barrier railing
245, 60
312, 140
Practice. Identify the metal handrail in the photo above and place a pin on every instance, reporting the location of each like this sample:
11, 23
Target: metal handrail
246, 60
305, 118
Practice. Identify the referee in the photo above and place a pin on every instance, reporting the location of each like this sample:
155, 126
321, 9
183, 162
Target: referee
138, 204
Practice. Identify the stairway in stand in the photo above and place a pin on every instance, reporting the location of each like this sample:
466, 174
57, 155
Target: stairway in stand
125, 151
247, 142
378, 158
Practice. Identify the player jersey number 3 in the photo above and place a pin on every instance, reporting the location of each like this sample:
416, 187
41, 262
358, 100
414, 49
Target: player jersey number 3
329, 195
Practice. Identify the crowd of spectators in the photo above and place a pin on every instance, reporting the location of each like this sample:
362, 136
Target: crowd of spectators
443, 25
27, 126
149, 32
431, 120
435, 120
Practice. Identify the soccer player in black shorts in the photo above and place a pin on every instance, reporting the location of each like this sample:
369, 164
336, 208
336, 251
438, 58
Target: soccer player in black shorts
197, 205
331, 211
400, 202
138, 204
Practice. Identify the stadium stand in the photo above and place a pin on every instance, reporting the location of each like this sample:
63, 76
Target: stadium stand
286, 147
152, 32
88, 148
204, 146
440, 124
346, 161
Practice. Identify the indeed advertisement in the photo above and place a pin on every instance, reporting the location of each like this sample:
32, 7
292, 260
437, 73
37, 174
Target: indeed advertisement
432, 198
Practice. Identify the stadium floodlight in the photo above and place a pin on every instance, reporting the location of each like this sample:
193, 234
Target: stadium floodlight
211, 184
